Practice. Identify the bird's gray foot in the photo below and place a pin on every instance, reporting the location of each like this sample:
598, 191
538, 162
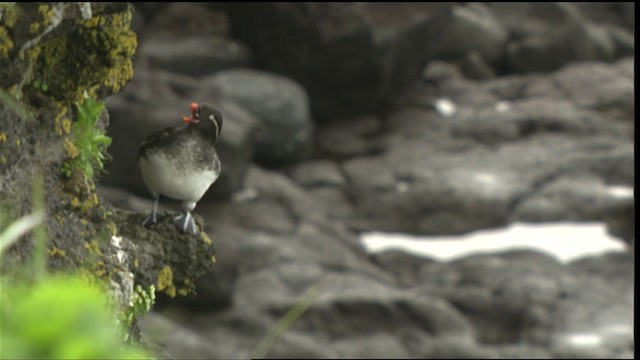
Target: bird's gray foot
151, 220
186, 223
153, 217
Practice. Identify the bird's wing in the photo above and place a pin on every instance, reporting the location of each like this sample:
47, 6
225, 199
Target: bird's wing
155, 139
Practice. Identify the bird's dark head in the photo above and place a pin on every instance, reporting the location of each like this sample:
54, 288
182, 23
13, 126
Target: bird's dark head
205, 117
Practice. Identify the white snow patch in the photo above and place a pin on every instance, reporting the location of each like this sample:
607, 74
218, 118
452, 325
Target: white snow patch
583, 339
502, 106
565, 241
620, 192
445, 106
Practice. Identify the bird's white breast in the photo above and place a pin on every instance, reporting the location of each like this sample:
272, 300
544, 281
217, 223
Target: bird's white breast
168, 178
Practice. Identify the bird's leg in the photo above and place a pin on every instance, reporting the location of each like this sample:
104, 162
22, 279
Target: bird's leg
185, 222
153, 217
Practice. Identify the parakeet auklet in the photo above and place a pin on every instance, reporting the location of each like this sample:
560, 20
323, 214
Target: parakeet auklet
181, 163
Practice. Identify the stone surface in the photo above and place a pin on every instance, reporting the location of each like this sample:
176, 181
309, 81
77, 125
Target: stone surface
438, 180
188, 38
469, 28
280, 104
548, 36
183, 19
348, 56
195, 55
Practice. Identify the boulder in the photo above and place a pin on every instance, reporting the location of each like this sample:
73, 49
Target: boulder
281, 105
547, 36
349, 57
197, 55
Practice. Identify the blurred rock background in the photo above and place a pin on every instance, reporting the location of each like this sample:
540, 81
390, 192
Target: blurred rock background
422, 118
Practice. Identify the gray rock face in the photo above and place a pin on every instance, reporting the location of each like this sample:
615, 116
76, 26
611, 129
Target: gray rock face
348, 56
470, 28
355, 58
196, 55
188, 38
504, 305
548, 36
281, 105
437, 180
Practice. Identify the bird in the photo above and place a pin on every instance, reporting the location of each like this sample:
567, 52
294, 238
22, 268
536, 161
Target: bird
182, 163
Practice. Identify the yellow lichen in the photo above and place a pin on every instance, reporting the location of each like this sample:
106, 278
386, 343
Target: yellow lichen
18, 142
75, 202
213, 259
6, 44
66, 125
93, 247
62, 124
96, 56
165, 281
90, 202
183, 291
31, 53
113, 228
48, 13
54, 251
135, 263
71, 148
9, 14
34, 27
3, 137
206, 238
3, 160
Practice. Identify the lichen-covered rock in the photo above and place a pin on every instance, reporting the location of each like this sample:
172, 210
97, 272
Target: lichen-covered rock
37, 112
57, 61
70, 47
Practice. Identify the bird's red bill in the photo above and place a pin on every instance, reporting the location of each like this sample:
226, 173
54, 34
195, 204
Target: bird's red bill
194, 118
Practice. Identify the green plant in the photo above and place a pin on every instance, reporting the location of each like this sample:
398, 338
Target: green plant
141, 303
89, 143
63, 315
60, 316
